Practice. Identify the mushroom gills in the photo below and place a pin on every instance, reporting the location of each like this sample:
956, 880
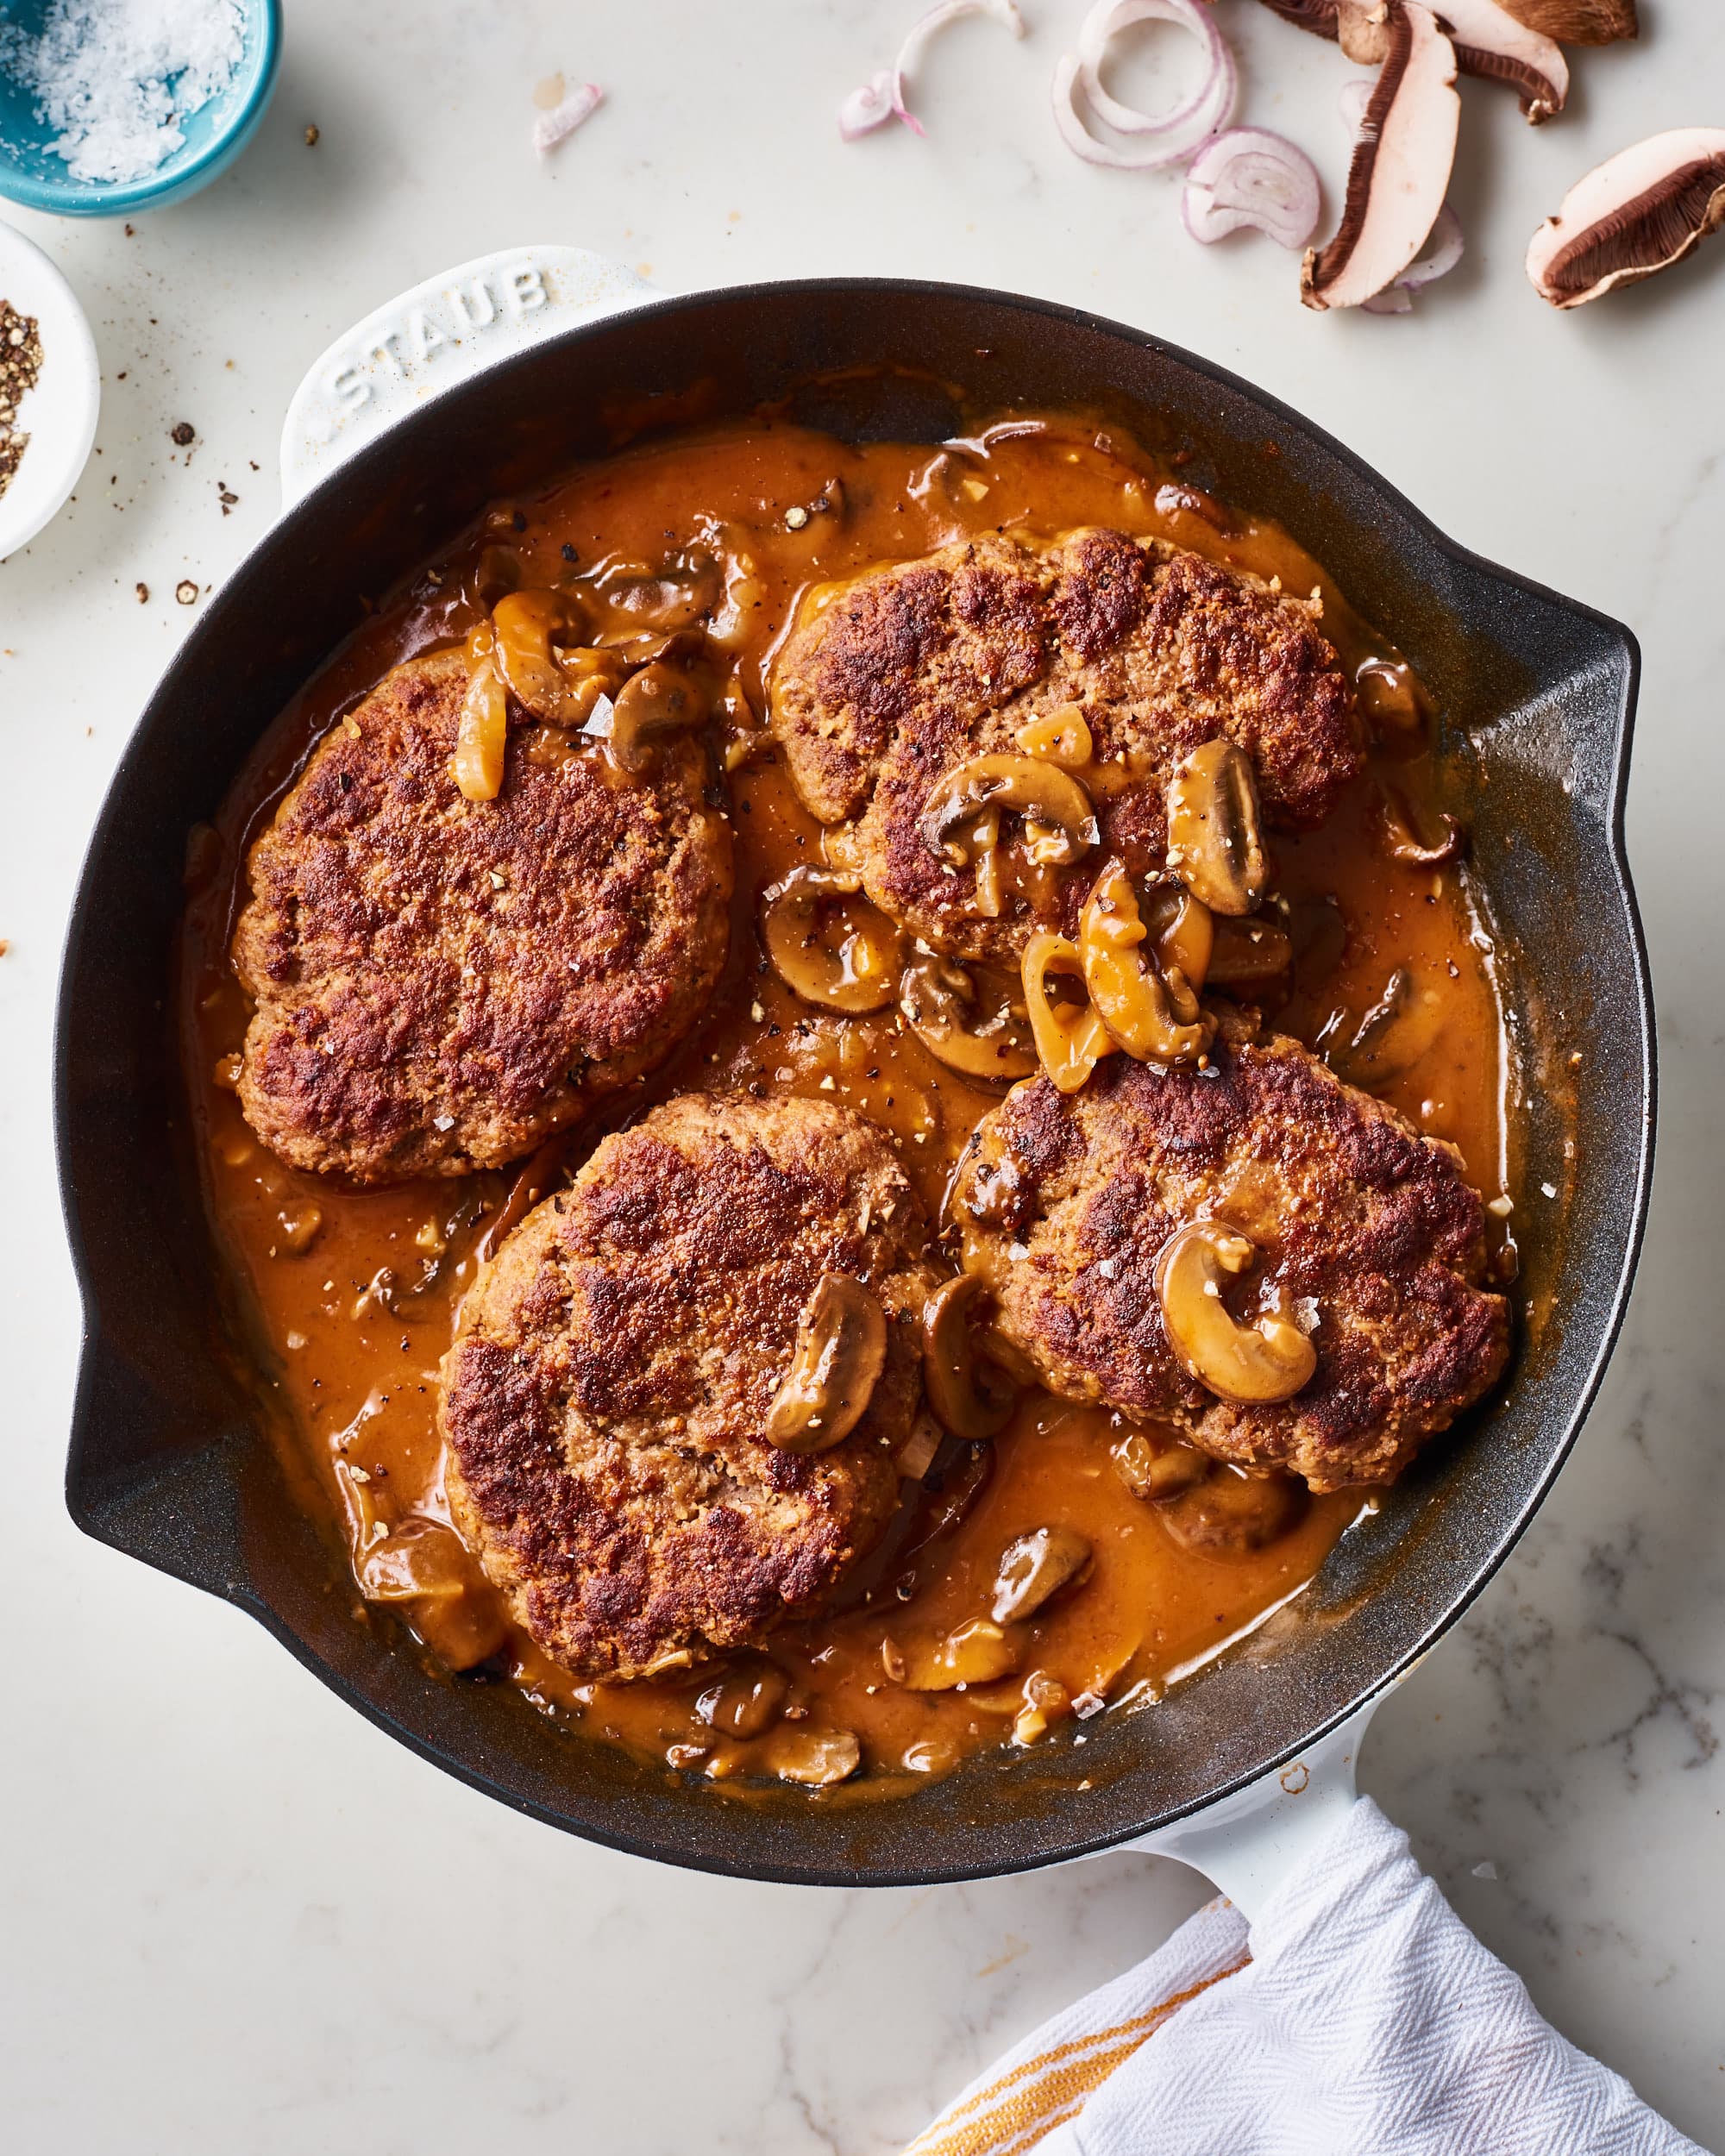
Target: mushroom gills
1637, 214
1060, 824
1401, 166
1254, 1365
840, 1351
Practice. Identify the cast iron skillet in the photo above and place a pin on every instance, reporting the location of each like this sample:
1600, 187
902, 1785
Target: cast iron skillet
171, 1460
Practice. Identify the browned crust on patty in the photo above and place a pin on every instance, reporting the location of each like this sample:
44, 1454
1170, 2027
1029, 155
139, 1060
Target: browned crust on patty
911, 670
605, 1400
441, 983
1351, 1207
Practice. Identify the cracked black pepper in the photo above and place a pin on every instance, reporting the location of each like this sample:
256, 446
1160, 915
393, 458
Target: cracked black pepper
21, 365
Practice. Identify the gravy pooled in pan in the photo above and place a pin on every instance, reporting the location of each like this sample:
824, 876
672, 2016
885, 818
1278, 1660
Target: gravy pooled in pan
858, 1093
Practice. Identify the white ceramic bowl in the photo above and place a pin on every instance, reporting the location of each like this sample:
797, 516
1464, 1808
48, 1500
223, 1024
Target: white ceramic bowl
59, 415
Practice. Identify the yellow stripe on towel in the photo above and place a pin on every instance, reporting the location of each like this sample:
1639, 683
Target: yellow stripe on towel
1014, 2112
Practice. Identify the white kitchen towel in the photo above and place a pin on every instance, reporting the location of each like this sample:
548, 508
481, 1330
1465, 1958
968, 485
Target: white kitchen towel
1358, 2017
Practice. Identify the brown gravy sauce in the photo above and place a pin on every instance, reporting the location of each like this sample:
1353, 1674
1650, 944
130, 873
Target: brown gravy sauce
349, 1319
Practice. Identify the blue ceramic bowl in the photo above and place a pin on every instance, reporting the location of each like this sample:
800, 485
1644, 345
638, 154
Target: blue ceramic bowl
31, 174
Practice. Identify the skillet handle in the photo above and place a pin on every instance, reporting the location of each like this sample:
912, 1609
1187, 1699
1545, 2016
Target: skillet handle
1252, 1841
436, 335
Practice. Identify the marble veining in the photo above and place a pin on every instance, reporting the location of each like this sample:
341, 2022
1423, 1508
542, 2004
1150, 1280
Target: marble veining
236, 1916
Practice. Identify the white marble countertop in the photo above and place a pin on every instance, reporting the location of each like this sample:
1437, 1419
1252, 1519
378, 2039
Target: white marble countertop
235, 1915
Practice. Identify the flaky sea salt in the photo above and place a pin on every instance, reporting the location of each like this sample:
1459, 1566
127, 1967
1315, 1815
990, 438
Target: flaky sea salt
116, 78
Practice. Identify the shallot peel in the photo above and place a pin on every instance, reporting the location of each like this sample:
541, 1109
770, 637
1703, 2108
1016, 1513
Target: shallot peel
1444, 247
1252, 177
553, 126
872, 104
1152, 141
882, 98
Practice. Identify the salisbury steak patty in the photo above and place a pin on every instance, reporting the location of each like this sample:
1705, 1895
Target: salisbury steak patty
893, 680
1364, 1227
605, 1398
441, 982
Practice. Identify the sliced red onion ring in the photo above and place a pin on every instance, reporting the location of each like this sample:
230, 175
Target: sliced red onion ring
1251, 177
551, 128
882, 96
1166, 138
1444, 248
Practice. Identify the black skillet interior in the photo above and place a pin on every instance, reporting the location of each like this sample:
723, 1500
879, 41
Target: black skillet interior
170, 1458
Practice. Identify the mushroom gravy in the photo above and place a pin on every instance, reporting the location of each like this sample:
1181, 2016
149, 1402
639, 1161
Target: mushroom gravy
350, 1296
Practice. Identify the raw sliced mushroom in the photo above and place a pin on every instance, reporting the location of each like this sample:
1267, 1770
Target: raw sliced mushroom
482, 729
652, 704
1502, 41
1036, 1567
1399, 1029
971, 1027
1153, 1015
1401, 168
1632, 216
1252, 1364
840, 1352
1578, 21
1408, 843
1492, 43
1229, 1511
1070, 1038
1062, 737
827, 945
968, 1391
1049, 798
1216, 830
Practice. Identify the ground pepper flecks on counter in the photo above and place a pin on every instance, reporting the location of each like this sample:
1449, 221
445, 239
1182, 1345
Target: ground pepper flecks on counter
21, 367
